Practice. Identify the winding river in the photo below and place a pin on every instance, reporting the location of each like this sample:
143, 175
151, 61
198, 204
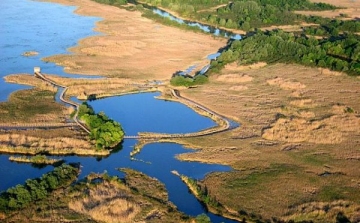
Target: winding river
38, 26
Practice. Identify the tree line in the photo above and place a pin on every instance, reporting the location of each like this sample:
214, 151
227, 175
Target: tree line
21, 196
112, 2
104, 131
242, 14
340, 53
331, 27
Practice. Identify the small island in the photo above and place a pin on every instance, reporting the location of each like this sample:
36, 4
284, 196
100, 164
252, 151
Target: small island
30, 53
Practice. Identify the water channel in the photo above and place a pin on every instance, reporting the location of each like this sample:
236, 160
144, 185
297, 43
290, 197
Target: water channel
39, 26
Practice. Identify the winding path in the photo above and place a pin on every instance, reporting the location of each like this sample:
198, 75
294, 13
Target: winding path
75, 118
228, 123
175, 93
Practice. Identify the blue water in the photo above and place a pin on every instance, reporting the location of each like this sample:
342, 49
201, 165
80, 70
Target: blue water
205, 28
50, 29
143, 113
46, 28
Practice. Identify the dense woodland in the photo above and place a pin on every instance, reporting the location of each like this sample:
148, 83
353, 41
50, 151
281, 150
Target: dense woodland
340, 53
331, 43
242, 14
105, 132
21, 196
112, 2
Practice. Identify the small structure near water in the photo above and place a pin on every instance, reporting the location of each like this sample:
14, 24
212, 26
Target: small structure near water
37, 70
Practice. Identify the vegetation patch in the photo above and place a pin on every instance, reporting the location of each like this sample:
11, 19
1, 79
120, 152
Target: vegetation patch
242, 14
107, 133
340, 53
38, 159
32, 106
21, 196
180, 80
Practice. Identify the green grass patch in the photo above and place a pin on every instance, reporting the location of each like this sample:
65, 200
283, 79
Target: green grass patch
24, 105
260, 177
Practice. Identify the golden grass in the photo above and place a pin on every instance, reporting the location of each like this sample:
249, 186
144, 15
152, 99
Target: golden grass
124, 51
145, 185
301, 124
25, 159
83, 88
319, 210
107, 202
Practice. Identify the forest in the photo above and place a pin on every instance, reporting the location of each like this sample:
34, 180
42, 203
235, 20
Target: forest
340, 53
105, 132
21, 196
242, 14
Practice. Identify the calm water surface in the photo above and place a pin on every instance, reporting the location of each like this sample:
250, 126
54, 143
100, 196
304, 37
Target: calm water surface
143, 113
50, 29
46, 28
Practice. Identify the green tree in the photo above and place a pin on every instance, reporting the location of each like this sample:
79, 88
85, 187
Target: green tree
202, 218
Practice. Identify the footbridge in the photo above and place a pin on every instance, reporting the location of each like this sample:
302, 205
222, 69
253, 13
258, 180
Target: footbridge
210, 131
75, 118
227, 124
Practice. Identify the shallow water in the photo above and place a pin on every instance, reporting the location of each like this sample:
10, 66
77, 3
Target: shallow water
50, 29
23, 29
143, 113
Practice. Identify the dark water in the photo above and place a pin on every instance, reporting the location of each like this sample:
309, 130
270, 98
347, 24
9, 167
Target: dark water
50, 29
46, 28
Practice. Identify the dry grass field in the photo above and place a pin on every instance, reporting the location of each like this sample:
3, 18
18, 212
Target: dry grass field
297, 152
133, 46
298, 143
35, 107
83, 88
351, 8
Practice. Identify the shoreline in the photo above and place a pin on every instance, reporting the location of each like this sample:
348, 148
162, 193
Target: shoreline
165, 50
175, 14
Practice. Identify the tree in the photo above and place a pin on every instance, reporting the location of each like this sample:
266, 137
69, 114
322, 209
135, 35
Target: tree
202, 218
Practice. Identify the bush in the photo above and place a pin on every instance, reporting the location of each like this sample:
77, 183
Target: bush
106, 132
36, 189
187, 81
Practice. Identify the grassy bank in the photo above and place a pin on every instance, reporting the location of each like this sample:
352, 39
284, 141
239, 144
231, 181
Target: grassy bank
99, 198
38, 159
34, 105
295, 145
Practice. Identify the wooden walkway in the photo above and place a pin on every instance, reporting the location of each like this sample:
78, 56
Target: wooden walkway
175, 94
205, 132
36, 125
75, 118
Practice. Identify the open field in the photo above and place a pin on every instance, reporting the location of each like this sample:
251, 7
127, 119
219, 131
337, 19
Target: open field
298, 143
350, 8
133, 46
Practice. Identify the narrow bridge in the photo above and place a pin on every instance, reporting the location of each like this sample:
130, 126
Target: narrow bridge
75, 118
228, 125
36, 125
210, 131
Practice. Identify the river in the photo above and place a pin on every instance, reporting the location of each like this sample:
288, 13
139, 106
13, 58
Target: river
39, 26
